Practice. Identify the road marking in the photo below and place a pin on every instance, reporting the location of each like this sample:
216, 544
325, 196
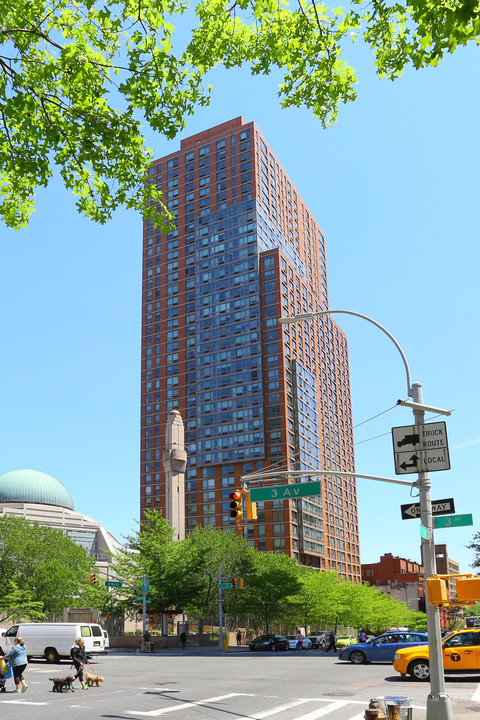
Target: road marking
186, 704
320, 712
476, 694
278, 709
22, 702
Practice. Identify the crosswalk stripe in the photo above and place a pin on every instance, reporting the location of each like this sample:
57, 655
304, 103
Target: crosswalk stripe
278, 709
183, 705
320, 712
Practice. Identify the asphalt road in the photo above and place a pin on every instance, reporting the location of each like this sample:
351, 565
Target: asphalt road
205, 684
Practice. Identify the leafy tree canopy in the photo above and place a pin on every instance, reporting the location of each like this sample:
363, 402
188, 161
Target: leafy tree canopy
77, 78
48, 569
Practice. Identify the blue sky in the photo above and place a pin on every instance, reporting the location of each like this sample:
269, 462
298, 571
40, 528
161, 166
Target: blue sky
394, 185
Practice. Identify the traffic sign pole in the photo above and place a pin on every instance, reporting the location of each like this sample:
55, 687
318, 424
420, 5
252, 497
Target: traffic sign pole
438, 702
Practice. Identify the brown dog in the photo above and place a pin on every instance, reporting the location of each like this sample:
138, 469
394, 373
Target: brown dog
93, 679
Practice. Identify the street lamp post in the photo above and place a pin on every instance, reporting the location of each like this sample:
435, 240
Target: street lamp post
438, 702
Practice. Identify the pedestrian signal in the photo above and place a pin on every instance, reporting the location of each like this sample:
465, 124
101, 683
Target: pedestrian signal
437, 591
468, 589
236, 505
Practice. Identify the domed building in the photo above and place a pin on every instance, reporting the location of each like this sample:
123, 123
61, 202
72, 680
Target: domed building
38, 496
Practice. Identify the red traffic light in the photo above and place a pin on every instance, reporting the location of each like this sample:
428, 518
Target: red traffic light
236, 504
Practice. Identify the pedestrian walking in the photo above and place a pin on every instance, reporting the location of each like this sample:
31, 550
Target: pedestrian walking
332, 642
362, 637
79, 660
17, 659
183, 639
299, 641
239, 637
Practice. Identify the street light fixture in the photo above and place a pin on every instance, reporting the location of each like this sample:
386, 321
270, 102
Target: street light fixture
438, 702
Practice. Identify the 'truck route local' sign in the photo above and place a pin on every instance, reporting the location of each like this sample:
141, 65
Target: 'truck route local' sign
420, 448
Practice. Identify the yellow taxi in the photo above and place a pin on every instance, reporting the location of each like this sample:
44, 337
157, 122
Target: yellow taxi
461, 654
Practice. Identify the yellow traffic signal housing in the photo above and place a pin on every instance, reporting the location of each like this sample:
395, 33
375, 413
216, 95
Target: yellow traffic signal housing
468, 589
236, 505
240, 583
251, 508
437, 591
93, 577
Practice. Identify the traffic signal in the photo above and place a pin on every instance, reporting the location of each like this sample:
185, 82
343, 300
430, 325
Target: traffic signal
234, 583
437, 591
240, 583
236, 505
468, 589
251, 508
93, 578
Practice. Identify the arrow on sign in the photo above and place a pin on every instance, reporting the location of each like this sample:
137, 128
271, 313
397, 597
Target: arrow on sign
405, 465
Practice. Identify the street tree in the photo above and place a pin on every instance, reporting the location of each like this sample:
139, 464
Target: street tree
216, 550
16, 604
268, 590
475, 546
43, 563
79, 80
172, 568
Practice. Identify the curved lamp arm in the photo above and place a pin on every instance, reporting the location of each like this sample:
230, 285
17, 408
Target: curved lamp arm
311, 316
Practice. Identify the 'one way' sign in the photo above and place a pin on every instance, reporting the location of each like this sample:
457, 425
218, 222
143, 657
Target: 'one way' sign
439, 507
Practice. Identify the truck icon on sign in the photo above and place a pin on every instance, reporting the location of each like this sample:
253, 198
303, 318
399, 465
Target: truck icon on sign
409, 440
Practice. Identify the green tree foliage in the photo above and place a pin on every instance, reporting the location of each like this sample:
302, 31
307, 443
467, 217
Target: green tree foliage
48, 569
475, 546
172, 568
274, 578
78, 79
16, 604
216, 550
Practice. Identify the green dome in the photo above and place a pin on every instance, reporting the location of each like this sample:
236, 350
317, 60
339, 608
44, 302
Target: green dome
33, 486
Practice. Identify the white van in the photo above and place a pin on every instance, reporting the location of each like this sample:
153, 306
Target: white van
53, 641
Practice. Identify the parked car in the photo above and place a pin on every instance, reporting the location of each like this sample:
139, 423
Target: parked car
107, 640
382, 648
319, 638
269, 642
461, 654
344, 640
293, 639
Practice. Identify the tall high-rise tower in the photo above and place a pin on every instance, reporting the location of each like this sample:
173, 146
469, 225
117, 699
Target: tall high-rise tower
254, 394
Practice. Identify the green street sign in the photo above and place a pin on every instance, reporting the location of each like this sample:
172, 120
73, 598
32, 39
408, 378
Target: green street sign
147, 601
445, 521
112, 583
225, 586
424, 532
286, 492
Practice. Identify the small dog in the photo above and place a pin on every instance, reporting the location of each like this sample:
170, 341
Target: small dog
62, 683
93, 679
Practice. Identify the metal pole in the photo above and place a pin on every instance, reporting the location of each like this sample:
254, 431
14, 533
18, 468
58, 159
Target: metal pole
220, 610
438, 702
144, 599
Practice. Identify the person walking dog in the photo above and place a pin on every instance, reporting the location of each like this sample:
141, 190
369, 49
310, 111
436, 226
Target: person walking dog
79, 659
17, 659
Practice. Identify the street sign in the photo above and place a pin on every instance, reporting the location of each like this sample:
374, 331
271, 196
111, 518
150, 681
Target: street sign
439, 507
145, 585
286, 492
420, 448
453, 520
225, 586
141, 598
112, 583
424, 532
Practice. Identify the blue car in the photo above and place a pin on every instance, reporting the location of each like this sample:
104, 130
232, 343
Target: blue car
382, 648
